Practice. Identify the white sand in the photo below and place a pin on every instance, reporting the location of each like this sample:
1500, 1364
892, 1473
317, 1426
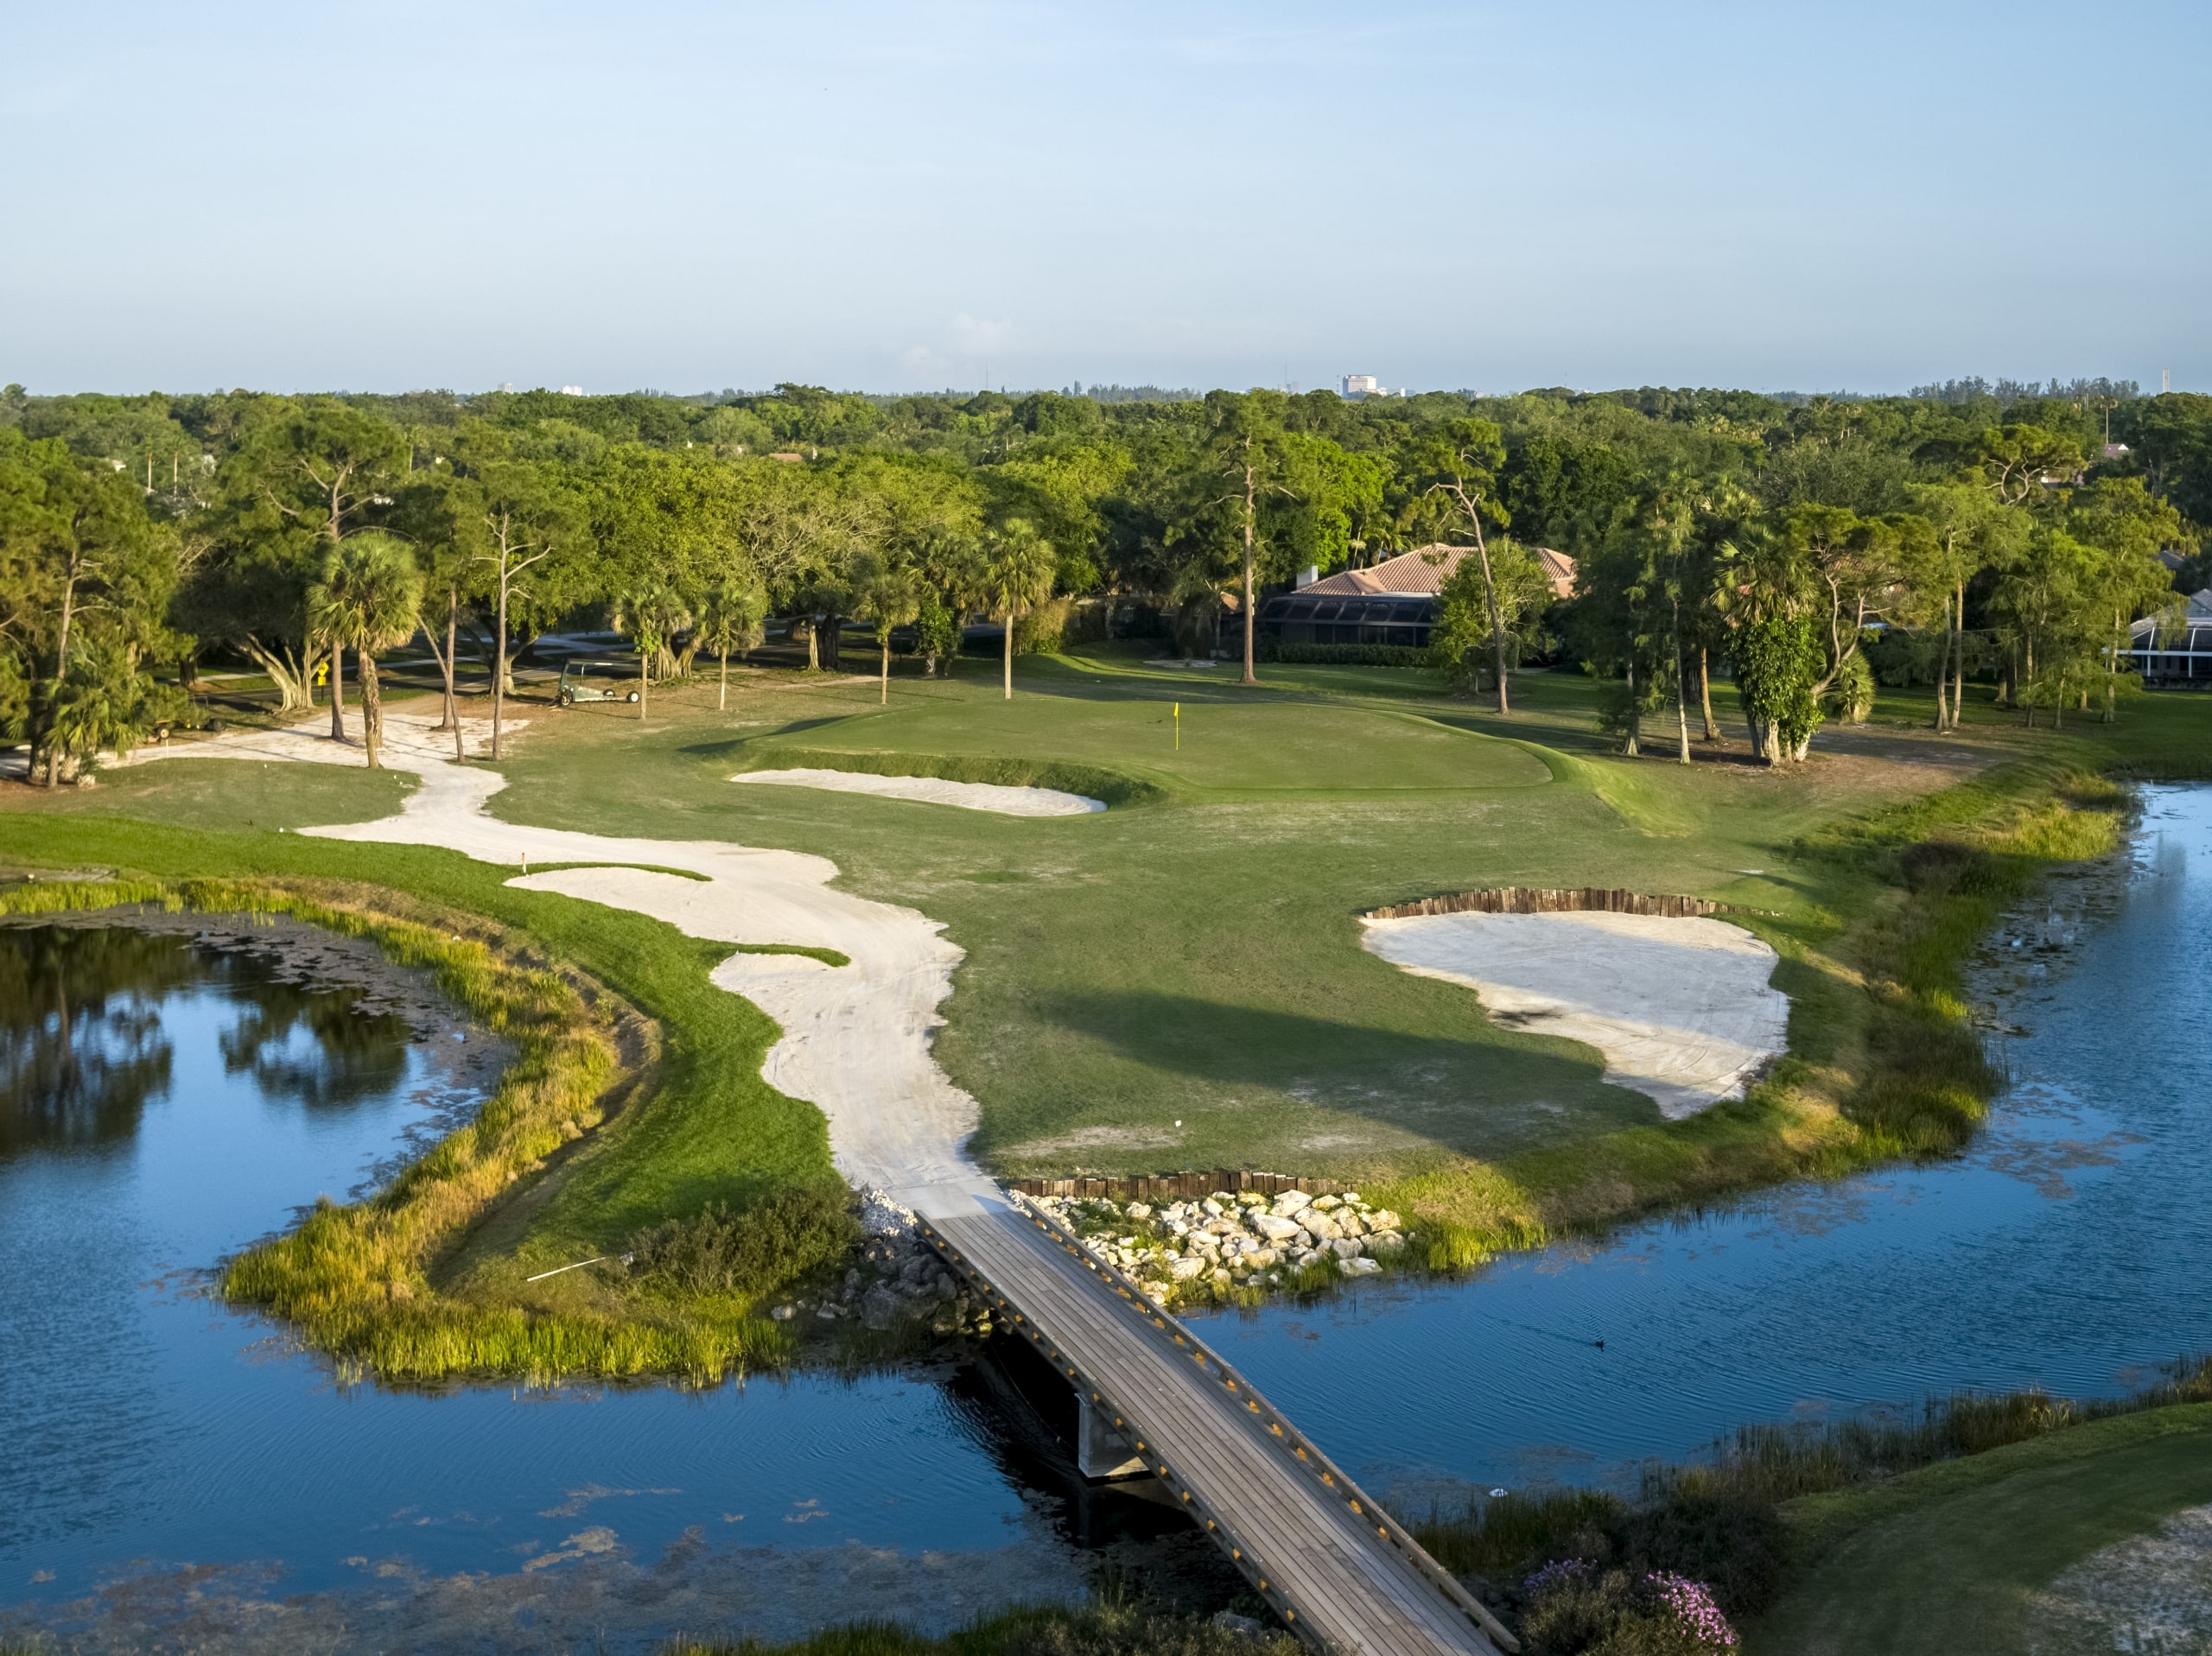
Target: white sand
1681, 1009
936, 790
856, 1039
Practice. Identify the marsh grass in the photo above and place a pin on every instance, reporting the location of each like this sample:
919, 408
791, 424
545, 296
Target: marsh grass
1104, 1628
355, 1279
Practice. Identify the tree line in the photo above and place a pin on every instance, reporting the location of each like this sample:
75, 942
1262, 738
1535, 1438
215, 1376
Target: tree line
1804, 543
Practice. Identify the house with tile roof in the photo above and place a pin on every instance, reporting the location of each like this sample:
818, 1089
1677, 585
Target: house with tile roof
1391, 603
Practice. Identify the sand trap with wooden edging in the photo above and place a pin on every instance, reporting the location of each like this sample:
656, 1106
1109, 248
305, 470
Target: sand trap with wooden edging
936, 790
1681, 1008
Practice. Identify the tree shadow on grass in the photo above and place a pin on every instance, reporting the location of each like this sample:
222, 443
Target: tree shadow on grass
1489, 1096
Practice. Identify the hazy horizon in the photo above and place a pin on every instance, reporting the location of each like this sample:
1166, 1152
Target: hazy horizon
870, 197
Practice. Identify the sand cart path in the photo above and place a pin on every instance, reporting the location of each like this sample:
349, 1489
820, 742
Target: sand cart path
856, 1037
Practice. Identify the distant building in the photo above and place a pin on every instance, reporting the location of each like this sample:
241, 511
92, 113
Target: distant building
1427, 568
572, 391
1358, 385
1393, 602
2175, 649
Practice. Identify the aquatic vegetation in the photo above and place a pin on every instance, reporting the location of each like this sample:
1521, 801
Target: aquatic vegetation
1100, 1629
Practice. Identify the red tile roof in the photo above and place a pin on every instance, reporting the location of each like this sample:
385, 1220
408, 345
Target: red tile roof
1427, 568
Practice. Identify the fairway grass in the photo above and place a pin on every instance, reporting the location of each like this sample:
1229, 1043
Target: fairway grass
1177, 982
1957, 1559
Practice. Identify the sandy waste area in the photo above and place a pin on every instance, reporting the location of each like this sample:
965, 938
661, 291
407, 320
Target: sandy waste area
1681, 1009
856, 1037
936, 790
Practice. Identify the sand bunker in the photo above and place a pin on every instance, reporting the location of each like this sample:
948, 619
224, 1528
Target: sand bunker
936, 790
1681, 1009
2147, 1593
856, 1037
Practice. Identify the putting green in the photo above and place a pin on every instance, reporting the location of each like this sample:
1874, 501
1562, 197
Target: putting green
1264, 746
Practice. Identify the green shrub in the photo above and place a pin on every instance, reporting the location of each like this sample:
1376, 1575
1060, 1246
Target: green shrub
1041, 629
781, 1239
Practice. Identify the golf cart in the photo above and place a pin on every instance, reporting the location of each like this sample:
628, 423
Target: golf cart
595, 680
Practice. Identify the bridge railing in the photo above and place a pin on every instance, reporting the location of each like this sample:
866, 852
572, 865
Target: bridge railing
1280, 1430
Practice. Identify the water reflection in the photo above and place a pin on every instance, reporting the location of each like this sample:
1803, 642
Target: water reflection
81, 1043
83, 1049
311, 1047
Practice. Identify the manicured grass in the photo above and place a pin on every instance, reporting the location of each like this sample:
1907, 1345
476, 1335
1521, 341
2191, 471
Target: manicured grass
1947, 1560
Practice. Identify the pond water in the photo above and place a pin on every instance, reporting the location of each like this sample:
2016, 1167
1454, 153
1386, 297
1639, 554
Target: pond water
172, 1471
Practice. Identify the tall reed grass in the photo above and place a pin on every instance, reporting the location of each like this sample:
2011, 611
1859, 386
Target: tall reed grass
355, 1279
1095, 1629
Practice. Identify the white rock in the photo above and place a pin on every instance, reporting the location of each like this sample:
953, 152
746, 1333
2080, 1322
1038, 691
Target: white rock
1321, 1225
785, 1313
1290, 1201
1357, 1267
1348, 1248
1327, 1203
1348, 1222
1184, 1269
1274, 1228
1386, 1242
1140, 1210
1384, 1218
1211, 1209
1351, 1199
1260, 1258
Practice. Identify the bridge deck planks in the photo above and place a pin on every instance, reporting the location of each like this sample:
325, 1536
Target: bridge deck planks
1352, 1590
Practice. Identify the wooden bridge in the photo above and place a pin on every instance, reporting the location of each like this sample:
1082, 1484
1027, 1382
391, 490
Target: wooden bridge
1344, 1574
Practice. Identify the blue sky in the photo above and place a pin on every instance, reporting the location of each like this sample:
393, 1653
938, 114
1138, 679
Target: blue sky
906, 197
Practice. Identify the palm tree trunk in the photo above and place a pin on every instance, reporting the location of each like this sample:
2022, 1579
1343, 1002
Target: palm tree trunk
645, 683
1959, 663
1009, 655
722, 701
884, 644
1682, 693
337, 691
1250, 509
500, 660
1704, 692
1633, 716
371, 710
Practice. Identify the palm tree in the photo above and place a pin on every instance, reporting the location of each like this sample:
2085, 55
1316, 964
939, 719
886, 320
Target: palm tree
1017, 573
730, 619
369, 595
647, 614
105, 701
885, 595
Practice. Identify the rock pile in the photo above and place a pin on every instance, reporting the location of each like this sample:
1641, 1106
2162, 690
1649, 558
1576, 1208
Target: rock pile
898, 1279
1228, 1241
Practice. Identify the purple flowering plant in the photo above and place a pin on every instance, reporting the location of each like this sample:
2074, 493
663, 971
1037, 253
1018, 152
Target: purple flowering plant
1693, 1606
